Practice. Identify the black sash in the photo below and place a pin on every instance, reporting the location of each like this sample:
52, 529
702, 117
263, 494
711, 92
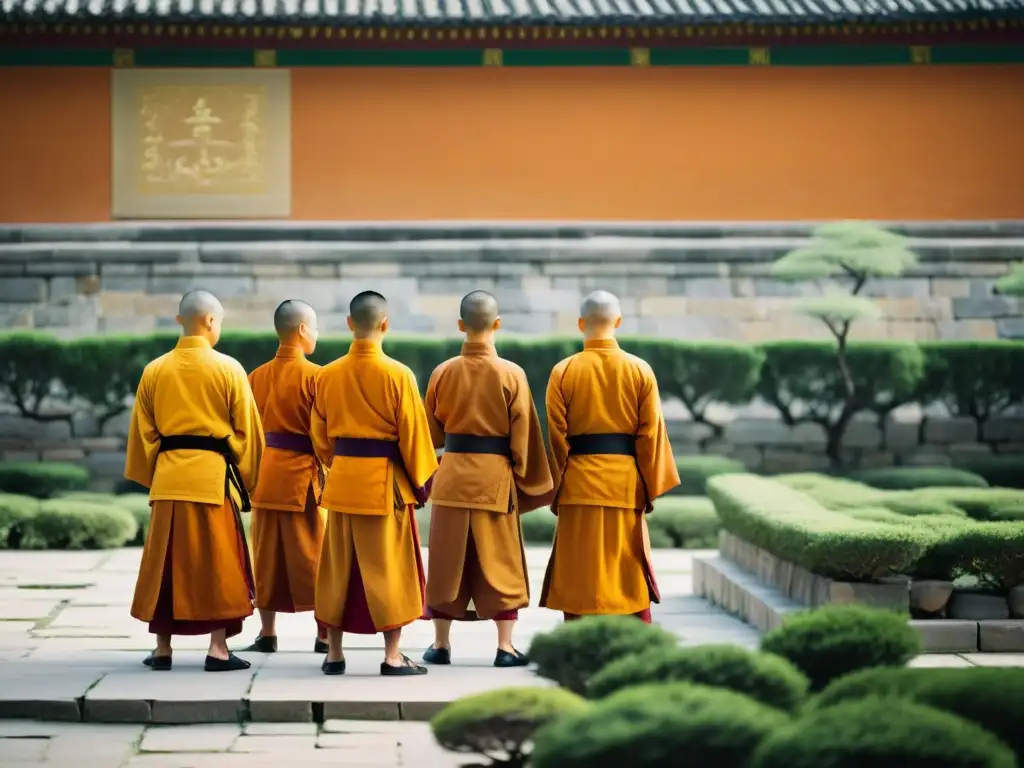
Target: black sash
497, 446
609, 444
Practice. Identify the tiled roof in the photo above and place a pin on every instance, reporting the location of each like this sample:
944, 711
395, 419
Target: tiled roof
507, 11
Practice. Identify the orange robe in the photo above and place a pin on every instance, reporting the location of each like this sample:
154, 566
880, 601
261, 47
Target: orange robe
287, 522
369, 426
476, 540
195, 576
600, 561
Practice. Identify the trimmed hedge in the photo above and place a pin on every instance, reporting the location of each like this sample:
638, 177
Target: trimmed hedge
980, 504
763, 677
41, 479
136, 503
834, 640
695, 471
990, 697
882, 733
1000, 471
70, 524
501, 722
687, 522
574, 651
653, 726
909, 478
15, 512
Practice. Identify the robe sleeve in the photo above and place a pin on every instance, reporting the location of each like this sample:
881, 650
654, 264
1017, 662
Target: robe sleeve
558, 428
430, 404
248, 440
143, 437
529, 458
323, 446
414, 441
653, 451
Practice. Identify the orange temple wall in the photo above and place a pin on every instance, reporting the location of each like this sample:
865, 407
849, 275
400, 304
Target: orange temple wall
750, 143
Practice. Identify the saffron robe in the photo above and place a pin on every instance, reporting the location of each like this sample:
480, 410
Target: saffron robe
600, 561
194, 576
476, 541
370, 577
287, 522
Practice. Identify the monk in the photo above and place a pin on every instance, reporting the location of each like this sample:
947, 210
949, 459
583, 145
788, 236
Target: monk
610, 458
196, 442
287, 522
369, 427
494, 468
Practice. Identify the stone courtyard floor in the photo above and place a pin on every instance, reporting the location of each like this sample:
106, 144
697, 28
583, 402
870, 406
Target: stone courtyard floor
69, 651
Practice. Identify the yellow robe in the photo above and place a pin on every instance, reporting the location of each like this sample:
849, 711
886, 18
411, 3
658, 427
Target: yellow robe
194, 574
600, 561
370, 577
287, 523
476, 540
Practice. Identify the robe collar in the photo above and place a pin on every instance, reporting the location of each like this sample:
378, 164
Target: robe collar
600, 344
478, 349
192, 342
289, 352
365, 348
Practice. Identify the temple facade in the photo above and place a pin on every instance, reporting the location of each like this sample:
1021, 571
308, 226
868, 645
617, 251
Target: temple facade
490, 110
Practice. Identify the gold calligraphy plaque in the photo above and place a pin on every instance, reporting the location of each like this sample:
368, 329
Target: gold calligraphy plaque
201, 143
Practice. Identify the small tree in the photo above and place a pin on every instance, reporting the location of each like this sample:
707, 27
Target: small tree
843, 257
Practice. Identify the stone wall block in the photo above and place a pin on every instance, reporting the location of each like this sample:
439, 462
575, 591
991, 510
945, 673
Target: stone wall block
916, 308
1010, 328
947, 431
995, 306
663, 306
520, 322
898, 288
13, 426
708, 288
27, 290
862, 435
770, 287
967, 330
690, 328
901, 436
782, 460
64, 268
773, 432
1004, 430
944, 287
912, 330
551, 300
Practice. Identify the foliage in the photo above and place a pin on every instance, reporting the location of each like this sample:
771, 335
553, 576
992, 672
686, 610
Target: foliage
909, 478
849, 249
71, 524
1003, 471
847, 496
15, 511
652, 726
794, 527
1013, 283
985, 504
695, 471
40, 479
882, 733
987, 696
136, 503
686, 522
832, 641
499, 724
574, 651
763, 677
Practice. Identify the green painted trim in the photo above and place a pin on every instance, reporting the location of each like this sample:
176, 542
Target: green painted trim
787, 56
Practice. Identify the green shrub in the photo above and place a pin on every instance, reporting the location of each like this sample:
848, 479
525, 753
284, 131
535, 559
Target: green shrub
70, 524
695, 471
987, 696
500, 724
882, 733
653, 726
832, 641
909, 478
1004, 471
842, 494
920, 504
794, 527
763, 677
572, 652
136, 503
993, 552
15, 511
979, 503
877, 515
538, 526
689, 522
41, 479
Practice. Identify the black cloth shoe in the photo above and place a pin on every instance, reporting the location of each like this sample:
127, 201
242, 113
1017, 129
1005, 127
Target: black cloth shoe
437, 655
333, 667
408, 668
514, 659
230, 664
157, 663
320, 646
262, 645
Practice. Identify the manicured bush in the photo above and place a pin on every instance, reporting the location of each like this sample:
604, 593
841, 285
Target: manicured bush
987, 696
882, 733
574, 651
689, 522
500, 724
653, 726
136, 503
841, 494
832, 641
538, 526
1003, 471
764, 677
909, 478
794, 527
695, 471
979, 503
993, 552
41, 479
15, 511
70, 524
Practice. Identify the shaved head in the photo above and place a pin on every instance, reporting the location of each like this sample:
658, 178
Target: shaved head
290, 314
197, 304
478, 311
367, 311
600, 308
